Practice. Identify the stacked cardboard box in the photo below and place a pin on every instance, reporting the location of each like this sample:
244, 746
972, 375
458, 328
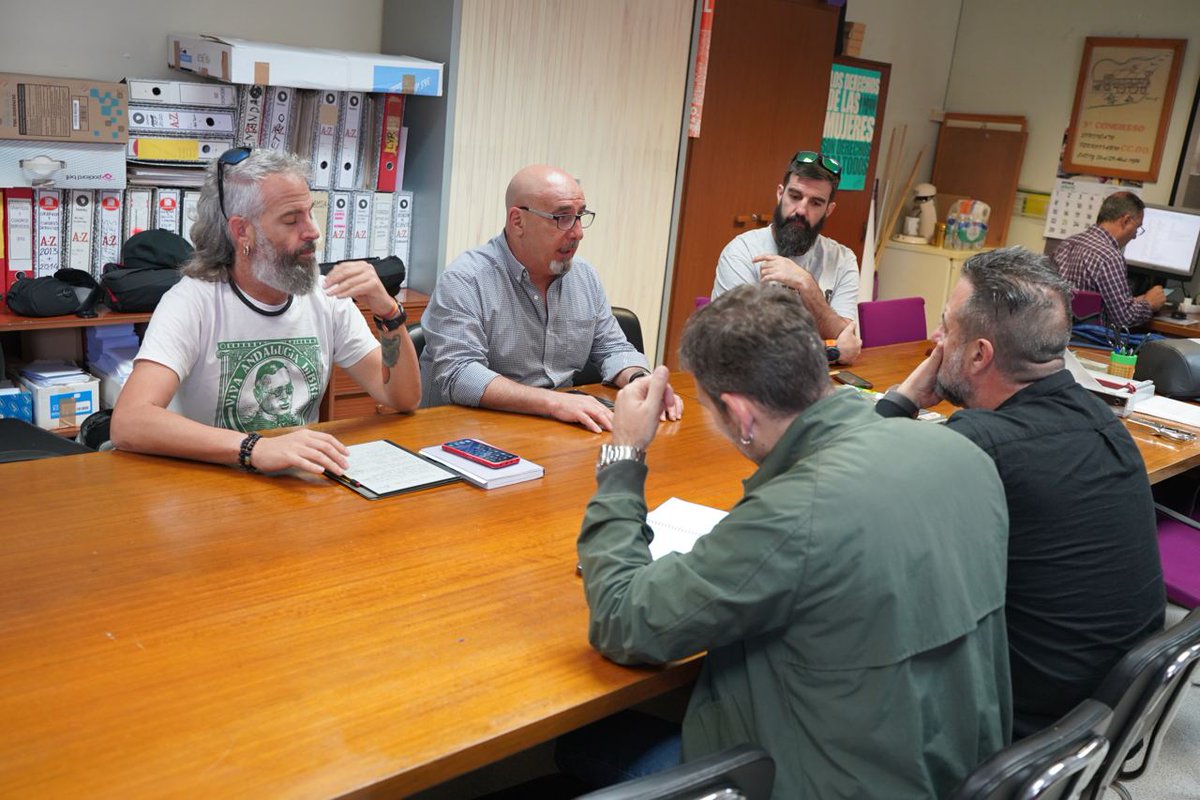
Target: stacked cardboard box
852, 38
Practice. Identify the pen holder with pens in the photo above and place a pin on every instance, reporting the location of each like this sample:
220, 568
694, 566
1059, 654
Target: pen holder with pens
1122, 364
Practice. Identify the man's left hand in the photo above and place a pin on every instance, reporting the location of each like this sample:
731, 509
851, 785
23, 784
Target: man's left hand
638, 409
849, 344
360, 281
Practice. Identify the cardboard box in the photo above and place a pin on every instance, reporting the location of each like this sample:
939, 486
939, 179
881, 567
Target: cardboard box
63, 165
64, 405
62, 110
16, 405
242, 61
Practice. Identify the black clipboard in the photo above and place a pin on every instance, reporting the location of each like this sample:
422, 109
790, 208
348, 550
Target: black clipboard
370, 481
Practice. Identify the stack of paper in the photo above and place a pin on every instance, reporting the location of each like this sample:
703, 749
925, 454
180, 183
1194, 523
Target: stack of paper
481, 476
53, 373
678, 525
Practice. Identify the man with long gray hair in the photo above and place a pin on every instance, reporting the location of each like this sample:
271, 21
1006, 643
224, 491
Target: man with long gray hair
248, 337
1084, 578
852, 612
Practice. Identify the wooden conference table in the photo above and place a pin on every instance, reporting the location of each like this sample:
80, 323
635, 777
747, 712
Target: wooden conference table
172, 628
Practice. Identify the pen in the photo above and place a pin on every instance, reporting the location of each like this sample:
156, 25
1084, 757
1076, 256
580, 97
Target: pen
343, 479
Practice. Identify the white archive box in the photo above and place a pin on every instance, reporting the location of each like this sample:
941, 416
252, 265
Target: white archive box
62, 165
63, 405
242, 61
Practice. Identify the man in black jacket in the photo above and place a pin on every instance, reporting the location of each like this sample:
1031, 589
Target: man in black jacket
1084, 576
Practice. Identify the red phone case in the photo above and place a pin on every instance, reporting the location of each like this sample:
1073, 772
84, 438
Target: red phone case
513, 459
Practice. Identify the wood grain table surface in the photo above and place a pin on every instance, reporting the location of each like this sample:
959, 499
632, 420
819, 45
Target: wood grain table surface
184, 629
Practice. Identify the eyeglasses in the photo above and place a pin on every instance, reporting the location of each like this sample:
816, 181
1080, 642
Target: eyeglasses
564, 221
230, 157
830, 165
1141, 230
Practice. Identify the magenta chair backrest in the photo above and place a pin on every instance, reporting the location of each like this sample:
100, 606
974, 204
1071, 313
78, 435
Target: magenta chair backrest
1085, 304
1179, 548
883, 322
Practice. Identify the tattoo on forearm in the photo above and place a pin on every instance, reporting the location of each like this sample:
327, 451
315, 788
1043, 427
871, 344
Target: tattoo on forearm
390, 345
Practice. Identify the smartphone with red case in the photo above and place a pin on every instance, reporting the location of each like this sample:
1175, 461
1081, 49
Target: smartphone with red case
481, 453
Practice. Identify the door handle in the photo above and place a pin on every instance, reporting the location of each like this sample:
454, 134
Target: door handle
741, 220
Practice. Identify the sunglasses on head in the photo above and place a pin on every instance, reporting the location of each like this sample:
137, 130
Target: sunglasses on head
230, 157
830, 165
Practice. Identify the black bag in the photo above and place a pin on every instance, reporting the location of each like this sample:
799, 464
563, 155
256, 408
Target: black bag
150, 262
68, 291
390, 271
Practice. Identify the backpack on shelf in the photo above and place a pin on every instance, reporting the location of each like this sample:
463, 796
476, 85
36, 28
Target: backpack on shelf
68, 291
150, 263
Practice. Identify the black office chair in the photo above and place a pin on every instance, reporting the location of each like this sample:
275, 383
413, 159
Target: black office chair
1056, 762
93, 433
632, 329
417, 334
1144, 689
744, 772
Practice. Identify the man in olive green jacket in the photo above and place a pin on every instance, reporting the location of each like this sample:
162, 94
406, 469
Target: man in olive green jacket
851, 603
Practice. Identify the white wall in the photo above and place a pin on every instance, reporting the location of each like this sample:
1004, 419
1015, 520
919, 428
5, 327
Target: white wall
114, 39
595, 88
917, 38
1022, 57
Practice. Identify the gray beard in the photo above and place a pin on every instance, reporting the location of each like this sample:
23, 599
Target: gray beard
560, 267
290, 273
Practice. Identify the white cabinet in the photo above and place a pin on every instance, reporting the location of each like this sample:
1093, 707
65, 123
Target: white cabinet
920, 270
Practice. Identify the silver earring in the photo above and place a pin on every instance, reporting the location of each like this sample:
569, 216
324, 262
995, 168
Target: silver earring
746, 441
245, 249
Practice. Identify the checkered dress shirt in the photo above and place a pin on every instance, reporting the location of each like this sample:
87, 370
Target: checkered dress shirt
486, 318
1092, 261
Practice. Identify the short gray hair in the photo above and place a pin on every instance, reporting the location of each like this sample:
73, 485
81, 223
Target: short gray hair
1118, 204
757, 340
1021, 305
243, 197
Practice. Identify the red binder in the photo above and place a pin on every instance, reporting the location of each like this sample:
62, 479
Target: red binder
390, 122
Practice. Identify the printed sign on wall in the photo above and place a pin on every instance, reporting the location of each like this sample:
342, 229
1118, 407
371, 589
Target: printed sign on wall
850, 121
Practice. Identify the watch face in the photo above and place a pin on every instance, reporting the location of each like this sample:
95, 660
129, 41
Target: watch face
832, 354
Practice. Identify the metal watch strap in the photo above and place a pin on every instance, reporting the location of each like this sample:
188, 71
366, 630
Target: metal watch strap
612, 453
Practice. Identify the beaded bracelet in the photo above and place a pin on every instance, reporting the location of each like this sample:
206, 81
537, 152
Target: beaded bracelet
244, 451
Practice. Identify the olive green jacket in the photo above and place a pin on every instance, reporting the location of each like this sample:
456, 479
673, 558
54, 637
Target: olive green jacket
852, 605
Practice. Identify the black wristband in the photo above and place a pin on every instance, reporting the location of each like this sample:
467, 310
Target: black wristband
636, 375
245, 450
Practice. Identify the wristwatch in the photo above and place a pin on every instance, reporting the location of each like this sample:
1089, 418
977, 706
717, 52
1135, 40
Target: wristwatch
635, 376
393, 322
832, 353
611, 453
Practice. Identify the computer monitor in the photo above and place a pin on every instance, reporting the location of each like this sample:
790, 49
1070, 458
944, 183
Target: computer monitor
1171, 244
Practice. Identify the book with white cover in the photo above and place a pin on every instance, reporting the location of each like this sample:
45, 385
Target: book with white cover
679, 524
481, 476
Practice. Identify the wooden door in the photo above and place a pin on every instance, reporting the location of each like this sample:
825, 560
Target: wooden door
764, 99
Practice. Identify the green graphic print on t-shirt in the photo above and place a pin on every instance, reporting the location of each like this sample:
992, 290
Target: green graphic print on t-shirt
268, 383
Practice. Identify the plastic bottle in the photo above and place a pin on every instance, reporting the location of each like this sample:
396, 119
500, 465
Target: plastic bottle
952, 232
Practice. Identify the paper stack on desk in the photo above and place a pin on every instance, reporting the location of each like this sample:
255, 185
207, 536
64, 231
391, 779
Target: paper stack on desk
481, 476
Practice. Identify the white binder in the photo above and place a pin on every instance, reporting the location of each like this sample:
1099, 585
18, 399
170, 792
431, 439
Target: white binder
81, 217
47, 231
350, 141
337, 244
360, 226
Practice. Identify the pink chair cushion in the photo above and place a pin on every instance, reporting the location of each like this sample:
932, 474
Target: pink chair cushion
1179, 547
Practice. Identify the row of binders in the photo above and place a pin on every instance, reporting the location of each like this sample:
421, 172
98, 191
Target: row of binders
43, 230
354, 141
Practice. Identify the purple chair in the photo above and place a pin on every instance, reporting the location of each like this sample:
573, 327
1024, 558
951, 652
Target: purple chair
1085, 304
883, 322
1179, 548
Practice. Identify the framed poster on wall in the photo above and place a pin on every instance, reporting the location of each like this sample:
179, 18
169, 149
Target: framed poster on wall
1123, 101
